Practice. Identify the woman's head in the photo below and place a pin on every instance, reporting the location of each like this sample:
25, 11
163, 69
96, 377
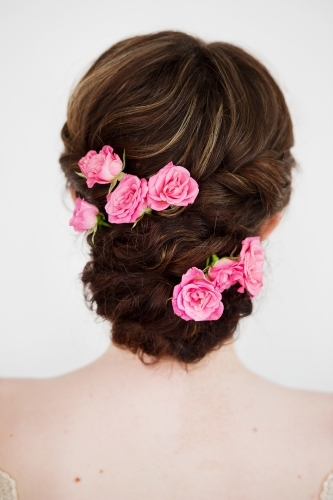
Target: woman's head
213, 109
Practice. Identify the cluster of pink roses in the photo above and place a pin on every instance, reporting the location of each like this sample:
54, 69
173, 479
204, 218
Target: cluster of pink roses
199, 294
172, 185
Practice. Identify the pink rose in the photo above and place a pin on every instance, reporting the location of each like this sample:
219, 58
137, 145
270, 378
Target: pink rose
84, 216
100, 167
225, 273
128, 201
252, 257
196, 298
172, 185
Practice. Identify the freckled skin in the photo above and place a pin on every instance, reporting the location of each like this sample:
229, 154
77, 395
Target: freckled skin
191, 432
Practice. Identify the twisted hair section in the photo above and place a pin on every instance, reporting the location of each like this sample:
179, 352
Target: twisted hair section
212, 108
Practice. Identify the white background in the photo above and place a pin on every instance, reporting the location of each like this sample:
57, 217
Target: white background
46, 46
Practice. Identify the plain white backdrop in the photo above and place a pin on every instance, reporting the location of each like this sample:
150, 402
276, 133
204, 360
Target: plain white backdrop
45, 327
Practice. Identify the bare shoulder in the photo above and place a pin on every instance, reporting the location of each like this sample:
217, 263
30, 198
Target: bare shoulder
312, 406
310, 397
24, 399
308, 409
313, 417
319, 407
21, 410
302, 420
315, 409
12, 395
15, 394
290, 432
29, 407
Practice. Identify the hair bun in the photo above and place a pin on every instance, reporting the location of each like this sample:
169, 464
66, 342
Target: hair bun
212, 108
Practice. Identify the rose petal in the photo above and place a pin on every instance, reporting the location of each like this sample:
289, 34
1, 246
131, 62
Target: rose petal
128, 201
84, 215
171, 185
196, 298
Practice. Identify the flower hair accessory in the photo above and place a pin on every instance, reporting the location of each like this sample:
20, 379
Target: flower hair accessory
86, 217
199, 294
100, 168
130, 197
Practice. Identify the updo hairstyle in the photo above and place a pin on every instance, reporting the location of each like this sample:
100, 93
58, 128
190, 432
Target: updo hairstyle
213, 109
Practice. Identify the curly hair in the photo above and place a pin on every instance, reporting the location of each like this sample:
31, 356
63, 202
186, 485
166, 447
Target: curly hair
212, 108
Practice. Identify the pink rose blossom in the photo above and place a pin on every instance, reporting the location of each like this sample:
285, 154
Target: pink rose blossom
172, 185
100, 167
252, 257
84, 216
128, 201
225, 273
196, 298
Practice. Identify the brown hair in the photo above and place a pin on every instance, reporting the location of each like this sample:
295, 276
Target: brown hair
212, 108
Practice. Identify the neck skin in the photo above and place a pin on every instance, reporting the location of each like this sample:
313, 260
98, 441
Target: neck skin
222, 365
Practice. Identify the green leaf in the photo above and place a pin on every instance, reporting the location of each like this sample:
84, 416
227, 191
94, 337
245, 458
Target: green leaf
112, 185
124, 160
137, 220
81, 175
214, 258
114, 182
91, 231
101, 220
94, 232
102, 223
